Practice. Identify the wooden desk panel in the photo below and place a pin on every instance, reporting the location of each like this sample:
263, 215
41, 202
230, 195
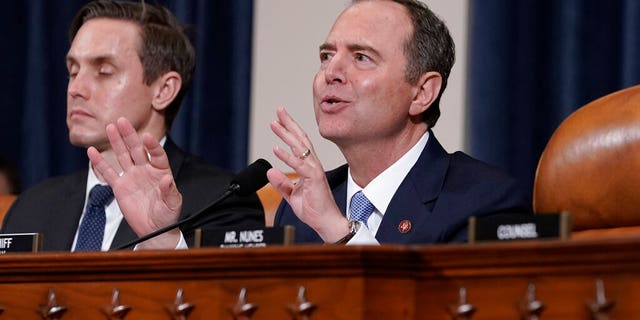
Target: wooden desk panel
335, 279
388, 282
497, 276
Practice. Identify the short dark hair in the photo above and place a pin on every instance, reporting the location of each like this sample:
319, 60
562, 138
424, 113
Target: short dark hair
164, 46
429, 48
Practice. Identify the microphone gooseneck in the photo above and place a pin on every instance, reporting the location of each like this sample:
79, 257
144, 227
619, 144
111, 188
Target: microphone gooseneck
244, 183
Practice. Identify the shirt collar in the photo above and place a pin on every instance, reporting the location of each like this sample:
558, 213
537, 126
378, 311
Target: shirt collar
381, 189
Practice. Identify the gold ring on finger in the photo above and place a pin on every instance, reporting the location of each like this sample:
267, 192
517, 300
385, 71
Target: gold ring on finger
305, 154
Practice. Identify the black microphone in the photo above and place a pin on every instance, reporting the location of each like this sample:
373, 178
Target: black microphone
251, 179
244, 183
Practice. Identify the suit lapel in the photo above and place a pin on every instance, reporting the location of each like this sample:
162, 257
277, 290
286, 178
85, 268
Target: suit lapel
61, 233
340, 195
337, 179
175, 155
124, 235
414, 200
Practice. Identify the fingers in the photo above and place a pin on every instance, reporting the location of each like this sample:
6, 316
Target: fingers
133, 142
280, 182
302, 158
157, 155
119, 148
101, 166
291, 133
170, 193
289, 159
132, 149
287, 121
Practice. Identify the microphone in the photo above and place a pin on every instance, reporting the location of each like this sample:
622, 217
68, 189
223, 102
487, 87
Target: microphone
251, 179
244, 183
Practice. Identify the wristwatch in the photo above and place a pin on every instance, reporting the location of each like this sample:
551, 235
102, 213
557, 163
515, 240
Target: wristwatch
354, 226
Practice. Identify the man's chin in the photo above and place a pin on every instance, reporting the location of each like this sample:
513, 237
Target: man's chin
80, 144
332, 136
84, 142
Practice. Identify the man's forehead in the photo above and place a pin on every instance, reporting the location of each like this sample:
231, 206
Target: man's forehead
378, 15
109, 29
380, 9
364, 20
106, 37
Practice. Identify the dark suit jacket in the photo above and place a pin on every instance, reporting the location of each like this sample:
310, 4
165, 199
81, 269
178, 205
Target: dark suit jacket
438, 195
54, 206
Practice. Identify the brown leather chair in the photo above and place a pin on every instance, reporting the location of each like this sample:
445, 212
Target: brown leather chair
5, 204
271, 199
591, 168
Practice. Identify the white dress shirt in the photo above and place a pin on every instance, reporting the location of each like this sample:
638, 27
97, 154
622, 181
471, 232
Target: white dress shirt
380, 191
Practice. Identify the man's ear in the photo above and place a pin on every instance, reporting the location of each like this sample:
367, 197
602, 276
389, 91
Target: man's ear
166, 88
427, 90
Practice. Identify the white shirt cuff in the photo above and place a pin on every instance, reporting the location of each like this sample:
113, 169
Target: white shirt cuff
182, 244
363, 237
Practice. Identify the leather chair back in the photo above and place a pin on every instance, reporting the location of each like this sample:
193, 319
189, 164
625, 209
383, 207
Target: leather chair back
591, 167
5, 203
270, 199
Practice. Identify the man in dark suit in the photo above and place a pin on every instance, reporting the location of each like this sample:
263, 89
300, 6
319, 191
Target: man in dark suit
129, 65
383, 68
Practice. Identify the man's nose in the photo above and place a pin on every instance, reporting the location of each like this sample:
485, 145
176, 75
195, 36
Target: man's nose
77, 86
335, 70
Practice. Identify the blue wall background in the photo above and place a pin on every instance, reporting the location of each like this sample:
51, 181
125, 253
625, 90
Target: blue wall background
213, 120
531, 63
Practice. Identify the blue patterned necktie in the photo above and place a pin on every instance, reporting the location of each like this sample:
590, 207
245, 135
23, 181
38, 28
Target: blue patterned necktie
360, 208
91, 230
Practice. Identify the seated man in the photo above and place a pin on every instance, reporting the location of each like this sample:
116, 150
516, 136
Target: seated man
129, 66
383, 69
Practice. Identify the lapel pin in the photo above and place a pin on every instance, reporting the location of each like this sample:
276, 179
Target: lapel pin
404, 226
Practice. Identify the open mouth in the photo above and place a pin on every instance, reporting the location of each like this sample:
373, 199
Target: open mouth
332, 100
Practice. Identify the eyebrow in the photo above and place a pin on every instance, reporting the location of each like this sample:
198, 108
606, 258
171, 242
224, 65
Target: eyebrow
327, 46
351, 47
97, 60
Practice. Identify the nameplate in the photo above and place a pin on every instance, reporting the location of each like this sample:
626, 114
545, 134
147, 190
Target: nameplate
240, 238
511, 227
20, 242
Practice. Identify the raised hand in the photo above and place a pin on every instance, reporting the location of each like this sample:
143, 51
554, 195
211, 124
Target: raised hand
310, 197
145, 190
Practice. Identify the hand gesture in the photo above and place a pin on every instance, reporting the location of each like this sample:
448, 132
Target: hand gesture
310, 197
145, 190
